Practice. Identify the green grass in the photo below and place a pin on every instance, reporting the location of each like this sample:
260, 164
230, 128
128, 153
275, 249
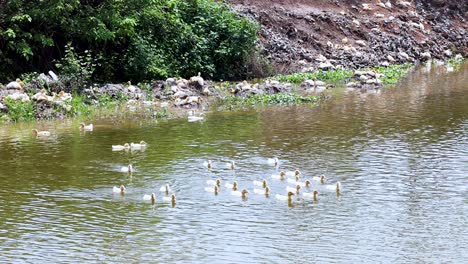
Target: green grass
20, 111
393, 73
234, 102
334, 76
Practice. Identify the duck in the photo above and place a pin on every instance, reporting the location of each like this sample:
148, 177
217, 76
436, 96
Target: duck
295, 181
232, 186
171, 199
313, 195
231, 165
208, 164
37, 133
242, 193
281, 176
262, 183
306, 183
320, 179
126, 146
120, 189
151, 198
265, 191
291, 189
165, 188
17, 84
128, 169
214, 189
140, 145
195, 118
216, 182
285, 198
293, 173
273, 161
84, 127
334, 187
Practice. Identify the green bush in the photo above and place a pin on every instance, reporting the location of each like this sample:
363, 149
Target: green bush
20, 111
136, 40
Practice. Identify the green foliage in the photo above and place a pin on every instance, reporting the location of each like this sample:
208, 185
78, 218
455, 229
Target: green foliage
333, 76
234, 102
138, 40
393, 73
20, 111
79, 107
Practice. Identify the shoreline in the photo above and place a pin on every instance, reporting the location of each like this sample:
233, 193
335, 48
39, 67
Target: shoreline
175, 98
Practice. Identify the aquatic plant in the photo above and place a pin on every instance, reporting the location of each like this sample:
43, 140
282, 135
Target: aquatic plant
19, 111
235, 102
393, 73
333, 76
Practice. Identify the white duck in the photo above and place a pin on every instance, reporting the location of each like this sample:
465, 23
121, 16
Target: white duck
85, 127
285, 198
126, 146
313, 195
120, 189
294, 190
242, 193
306, 183
214, 189
293, 173
208, 164
265, 191
281, 176
231, 165
171, 199
262, 183
192, 118
334, 187
232, 186
165, 188
128, 169
151, 198
320, 179
294, 181
37, 133
140, 145
273, 161
216, 182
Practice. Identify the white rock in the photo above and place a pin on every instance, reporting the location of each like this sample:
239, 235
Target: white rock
366, 7
378, 15
326, 65
459, 57
448, 53
390, 58
404, 55
321, 58
308, 83
385, 64
356, 22
344, 41
361, 43
388, 4
53, 75
426, 55
351, 84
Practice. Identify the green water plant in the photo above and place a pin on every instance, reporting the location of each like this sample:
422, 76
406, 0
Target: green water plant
235, 102
333, 76
19, 111
393, 73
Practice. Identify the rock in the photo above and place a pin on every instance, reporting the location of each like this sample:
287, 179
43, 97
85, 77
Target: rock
404, 55
388, 4
378, 15
197, 82
385, 63
366, 7
361, 43
426, 55
17, 85
53, 76
171, 82
308, 83
404, 3
351, 84
19, 96
458, 57
320, 83
344, 41
320, 58
448, 53
326, 66
356, 22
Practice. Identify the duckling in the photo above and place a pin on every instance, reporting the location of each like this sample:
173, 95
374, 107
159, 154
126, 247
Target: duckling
120, 189
37, 133
214, 189
313, 195
293, 173
295, 181
126, 146
242, 193
262, 183
232, 186
142, 144
265, 191
281, 176
306, 183
291, 189
285, 198
231, 165
216, 182
151, 198
334, 187
84, 127
165, 188
171, 199
320, 179
18, 85
273, 161
128, 169
208, 164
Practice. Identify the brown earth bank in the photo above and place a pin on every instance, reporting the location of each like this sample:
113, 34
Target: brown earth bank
306, 35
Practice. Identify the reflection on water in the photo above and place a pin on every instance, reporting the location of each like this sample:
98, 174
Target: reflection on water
401, 154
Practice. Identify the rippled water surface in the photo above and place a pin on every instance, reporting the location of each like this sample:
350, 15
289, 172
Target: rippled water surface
401, 155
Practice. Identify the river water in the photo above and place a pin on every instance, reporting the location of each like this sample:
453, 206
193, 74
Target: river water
401, 155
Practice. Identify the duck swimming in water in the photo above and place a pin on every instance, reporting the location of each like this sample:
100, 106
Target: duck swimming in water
140, 145
208, 164
214, 189
264, 191
232, 186
171, 199
128, 169
151, 198
216, 182
242, 193
120, 189
165, 188
281, 176
313, 195
273, 161
334, 187
285, 198
320, 179
293, 173
262, 183
84, 127
294, 181
37, 133
126, 146
231, 165
295, 190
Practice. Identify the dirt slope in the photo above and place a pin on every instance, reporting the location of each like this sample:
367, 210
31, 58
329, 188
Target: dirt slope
350, 34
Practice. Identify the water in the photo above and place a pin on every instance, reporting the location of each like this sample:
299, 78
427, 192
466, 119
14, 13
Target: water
401, 155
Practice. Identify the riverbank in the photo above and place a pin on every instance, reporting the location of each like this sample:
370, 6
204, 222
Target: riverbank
41, 97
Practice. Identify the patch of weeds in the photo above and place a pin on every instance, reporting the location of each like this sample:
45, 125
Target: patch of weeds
20, 111
163, 113
393, 73
456, 62
233, 102
79, 107
334, 76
